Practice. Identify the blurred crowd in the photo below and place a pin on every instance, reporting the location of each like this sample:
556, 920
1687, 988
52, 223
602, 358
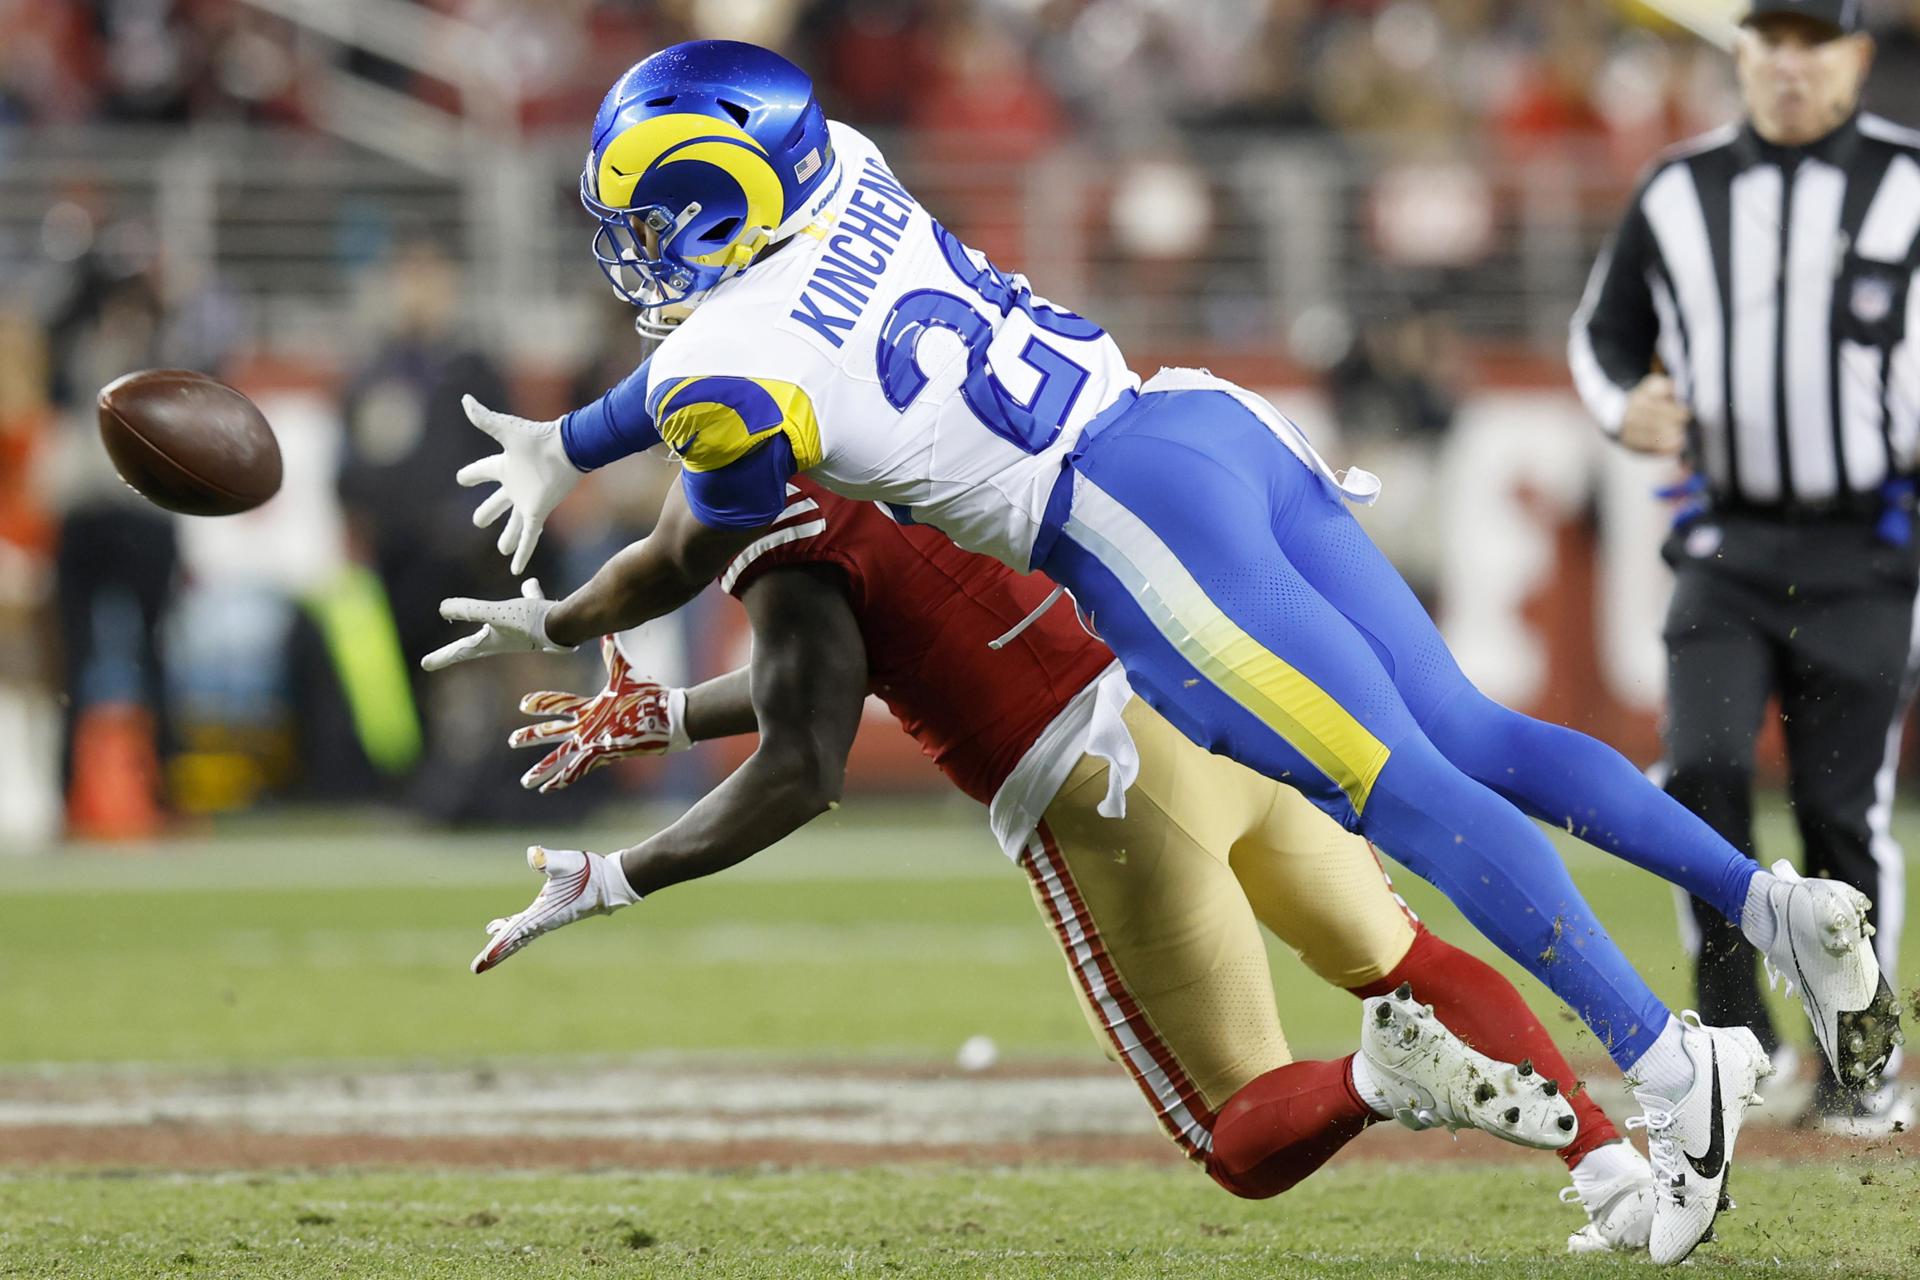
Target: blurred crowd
1516, 73
155, 666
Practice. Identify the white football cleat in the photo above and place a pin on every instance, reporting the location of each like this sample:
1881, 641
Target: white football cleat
1690, 1139
1822, 946
576, 888
1619, 1214
1430, 1077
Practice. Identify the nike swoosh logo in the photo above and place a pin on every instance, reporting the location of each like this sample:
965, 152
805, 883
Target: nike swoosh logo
1710, 1164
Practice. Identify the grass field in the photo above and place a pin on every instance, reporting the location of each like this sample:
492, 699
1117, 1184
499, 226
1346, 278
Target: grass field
898, 931
1357, 1221
887, 935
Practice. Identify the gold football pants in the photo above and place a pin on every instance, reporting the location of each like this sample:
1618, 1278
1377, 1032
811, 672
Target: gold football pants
1159, 914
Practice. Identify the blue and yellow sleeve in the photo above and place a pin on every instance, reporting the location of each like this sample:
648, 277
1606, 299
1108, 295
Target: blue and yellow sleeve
740, 440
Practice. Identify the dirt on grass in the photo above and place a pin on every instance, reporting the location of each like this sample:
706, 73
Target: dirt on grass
671, 1114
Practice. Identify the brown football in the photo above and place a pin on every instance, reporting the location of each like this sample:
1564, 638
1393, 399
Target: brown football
188, 442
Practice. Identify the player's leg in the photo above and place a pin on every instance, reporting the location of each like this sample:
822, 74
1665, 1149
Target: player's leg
1172, 971
1558, 775
1843, 681
1320, 889
1165, 956
1170, 545
1720, 674
1169, 549
1815, 931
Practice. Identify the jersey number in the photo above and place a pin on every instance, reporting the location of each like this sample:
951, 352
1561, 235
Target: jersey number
1032, 424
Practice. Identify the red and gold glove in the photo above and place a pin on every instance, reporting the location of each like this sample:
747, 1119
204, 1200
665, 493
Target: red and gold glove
631, 716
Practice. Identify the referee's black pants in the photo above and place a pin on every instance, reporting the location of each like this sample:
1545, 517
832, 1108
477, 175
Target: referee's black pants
1820, 613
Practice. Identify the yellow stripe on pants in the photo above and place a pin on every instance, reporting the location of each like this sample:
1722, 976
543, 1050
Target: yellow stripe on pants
1286, 701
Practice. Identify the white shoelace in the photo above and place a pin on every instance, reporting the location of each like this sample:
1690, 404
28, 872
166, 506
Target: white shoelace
1663, 1151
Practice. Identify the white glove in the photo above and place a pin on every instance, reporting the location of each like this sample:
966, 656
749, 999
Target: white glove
507, 626
532, 470
577, 885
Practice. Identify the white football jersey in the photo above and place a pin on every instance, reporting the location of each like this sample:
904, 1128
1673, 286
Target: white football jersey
903, 368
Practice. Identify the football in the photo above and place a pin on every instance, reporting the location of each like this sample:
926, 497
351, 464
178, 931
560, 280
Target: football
189, 443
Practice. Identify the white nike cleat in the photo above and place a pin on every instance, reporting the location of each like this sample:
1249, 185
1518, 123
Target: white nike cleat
1690, 1139
1430, 1077
577, 886
1619, 1214
1822, 946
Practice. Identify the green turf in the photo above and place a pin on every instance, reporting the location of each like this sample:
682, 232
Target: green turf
888, 930
1360, 1220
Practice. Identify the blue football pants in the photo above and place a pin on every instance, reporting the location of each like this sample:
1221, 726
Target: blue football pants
1252, 611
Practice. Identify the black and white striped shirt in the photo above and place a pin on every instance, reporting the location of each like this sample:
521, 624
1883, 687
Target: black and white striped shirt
1775, 285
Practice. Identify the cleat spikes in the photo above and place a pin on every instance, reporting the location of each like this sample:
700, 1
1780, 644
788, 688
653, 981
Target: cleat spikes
1526, 1066
1404, 991
1432, 1078
1566, 1124
1550, 1087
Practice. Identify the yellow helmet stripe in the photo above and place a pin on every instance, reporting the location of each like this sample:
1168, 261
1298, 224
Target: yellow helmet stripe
757, 181
638, 148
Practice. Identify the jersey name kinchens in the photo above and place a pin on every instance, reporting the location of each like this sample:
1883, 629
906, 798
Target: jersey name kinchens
894, 364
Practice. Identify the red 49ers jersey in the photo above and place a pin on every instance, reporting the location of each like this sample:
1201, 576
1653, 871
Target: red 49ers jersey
926, 610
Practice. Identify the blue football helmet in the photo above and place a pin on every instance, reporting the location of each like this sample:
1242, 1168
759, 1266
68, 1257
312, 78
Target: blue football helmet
702, 156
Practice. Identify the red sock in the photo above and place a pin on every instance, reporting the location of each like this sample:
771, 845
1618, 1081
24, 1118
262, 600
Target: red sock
1482, 1008
1283, 1125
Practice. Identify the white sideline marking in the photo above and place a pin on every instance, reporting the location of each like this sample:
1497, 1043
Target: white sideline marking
634, 1103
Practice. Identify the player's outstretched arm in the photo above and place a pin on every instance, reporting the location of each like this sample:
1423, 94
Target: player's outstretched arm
647, 580
809, 682
651, 578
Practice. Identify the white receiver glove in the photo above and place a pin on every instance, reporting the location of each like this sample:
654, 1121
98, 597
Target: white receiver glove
507, 626
577, 885
532, 470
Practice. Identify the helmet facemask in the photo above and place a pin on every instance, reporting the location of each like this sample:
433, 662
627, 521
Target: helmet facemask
640, 253
631, 247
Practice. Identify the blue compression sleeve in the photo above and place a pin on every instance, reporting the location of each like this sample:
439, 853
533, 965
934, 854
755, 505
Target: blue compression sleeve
615, 425
744, 494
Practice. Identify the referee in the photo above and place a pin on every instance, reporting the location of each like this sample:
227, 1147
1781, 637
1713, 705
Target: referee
1755, 317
